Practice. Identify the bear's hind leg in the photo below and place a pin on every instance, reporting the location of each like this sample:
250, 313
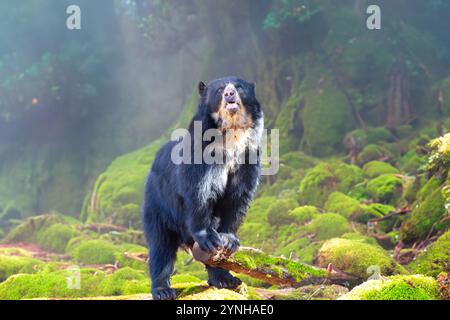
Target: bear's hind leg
162, 261
221, 278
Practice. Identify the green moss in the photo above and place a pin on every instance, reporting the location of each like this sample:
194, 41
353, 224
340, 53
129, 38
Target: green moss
303, 214
342, 204
298, 160
13, 264
328, 225
120, 187
94, 252
301, 250
359, 237
413, 287
355, 257
278, 212
55, 237
386, 188
326, 178
279, 266
326, 114
426, 215
51, 285
373, 152
290, 125
376, 168
411, 162
215, 294
125, 281
28, 230
435, 258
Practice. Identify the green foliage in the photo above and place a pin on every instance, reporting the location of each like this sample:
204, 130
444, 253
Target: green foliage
401, 287
355, 257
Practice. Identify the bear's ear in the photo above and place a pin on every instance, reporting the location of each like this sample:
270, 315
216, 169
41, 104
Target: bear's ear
201, 88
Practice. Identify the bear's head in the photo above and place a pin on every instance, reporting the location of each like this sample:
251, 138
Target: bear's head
231, 103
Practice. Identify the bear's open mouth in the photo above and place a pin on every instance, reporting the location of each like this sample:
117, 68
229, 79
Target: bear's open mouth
232, 107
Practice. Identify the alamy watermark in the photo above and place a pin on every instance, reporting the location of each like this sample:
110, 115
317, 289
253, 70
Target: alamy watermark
235, 146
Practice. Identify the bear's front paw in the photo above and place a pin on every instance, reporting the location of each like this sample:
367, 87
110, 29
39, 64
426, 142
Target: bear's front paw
230, 243
209, 241
161, 293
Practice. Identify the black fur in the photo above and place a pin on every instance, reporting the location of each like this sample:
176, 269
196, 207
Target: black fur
173, 214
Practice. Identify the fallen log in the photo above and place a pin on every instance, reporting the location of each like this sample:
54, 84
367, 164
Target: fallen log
270, 269
273, 270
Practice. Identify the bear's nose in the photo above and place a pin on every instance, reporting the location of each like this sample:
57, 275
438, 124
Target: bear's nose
230, 95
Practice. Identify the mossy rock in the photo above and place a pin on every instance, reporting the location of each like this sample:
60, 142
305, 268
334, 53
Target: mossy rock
125, 281
289, 123
301, 250
356, 256
386, 188
303, 214
118, 192
328, 225
278, 212
400, 287
326, 115
342, 204
215, 294
373, 152
435, 258
51, 285
14, 264
426, 215
56, 237
374, 169
411, 162
361, 138
298, 160
325, 178
94, 252
28, 230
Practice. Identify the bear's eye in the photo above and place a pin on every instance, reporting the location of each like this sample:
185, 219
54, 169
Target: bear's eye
220, 91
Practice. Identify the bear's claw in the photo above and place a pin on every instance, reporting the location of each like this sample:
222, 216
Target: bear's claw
164, 294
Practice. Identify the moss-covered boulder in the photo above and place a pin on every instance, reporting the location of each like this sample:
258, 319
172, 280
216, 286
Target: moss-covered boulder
13, 264
56, 237
328, 225
125, 281
118, 192
326, 115
278, 212
400, 287
344, 205
373, 152
326, 178
94, 252
435, 258
355, 257
303, 214
426, 215
386, 188
374, 169
53, 284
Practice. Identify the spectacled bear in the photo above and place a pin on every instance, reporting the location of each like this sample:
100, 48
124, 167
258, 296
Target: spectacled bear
204, 202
